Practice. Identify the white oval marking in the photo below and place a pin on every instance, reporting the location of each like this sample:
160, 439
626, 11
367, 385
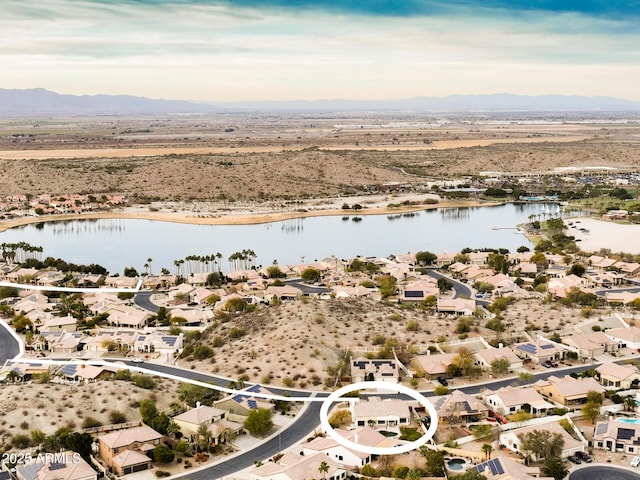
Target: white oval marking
336, 396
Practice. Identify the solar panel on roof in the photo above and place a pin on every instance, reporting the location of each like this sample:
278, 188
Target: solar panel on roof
625, 433
528, 347
237, 398
171, 341
56, 466
68, 369
547, 345
413, 294
496, 466
252, 404
601, 428
141, 338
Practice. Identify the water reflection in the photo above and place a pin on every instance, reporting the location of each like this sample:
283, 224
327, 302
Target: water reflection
124, 242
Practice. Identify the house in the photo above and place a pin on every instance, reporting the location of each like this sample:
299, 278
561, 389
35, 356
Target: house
86, 373
159, 343
511, 438
617, 436
15, 371
111, 340
389, 415
337, 452
420, 289
620, 297
284, 292
504, 468
191, 420
568, 391
59, 466
432, 366
485, 357
51, 323
240, 404
626, 337
539, 351
124, 316
457, 306
364, 369
560, 287
458, 407
60, 342
591, 344
126, 451
192, 317
296, 467
615, 377
508, 400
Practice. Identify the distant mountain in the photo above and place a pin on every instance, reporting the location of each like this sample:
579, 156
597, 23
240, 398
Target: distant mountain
39, 102
503, 102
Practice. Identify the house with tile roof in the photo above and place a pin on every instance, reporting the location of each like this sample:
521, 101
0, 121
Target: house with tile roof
626, 337
591, 344
459, 407
192, 419
568, 391
614, 376
539, 351
238, 405
432, 366
379, 370
504, 468
114, 448
510, 399
296, 467
59, 466
617, 436
389, 415
420, 289
457, 306
337, 452
511, 438
484, 358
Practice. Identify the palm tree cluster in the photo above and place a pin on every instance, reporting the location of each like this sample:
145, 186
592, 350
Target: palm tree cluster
244, 260
19, 252
199, 264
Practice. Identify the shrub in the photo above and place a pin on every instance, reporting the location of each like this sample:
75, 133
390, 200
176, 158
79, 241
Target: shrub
144, 381
90, 422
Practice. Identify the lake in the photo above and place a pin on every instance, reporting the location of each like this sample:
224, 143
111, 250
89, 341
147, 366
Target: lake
116, 244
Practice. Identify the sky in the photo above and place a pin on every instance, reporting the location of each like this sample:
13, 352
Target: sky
215, 50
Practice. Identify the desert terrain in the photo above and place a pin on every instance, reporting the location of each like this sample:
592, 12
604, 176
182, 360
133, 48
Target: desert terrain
262, 158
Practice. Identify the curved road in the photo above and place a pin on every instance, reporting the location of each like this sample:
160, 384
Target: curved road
9, 346
603, 471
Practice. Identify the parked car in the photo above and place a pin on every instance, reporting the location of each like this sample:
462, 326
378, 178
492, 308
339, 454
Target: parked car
584, 457
549, 364
443, 381
635, 461
574, 459
137, 360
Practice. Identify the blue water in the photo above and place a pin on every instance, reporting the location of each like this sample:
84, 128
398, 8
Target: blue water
116, 244
635, 421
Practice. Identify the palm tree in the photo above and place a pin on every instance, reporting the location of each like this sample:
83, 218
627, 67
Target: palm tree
173, 429
323, 468
487, 449
629, 403
149, 260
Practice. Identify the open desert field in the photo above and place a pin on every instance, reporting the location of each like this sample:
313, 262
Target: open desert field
232, 158
294, 343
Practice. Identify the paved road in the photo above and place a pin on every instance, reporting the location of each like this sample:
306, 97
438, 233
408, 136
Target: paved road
290, 436
143, 300
603, 472
460, 289
602, 293
9, 347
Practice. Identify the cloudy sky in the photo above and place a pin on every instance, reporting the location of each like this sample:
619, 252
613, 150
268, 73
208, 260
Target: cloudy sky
321, 49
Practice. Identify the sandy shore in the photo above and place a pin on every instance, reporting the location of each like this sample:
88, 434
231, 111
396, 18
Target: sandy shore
373, 206
617, 237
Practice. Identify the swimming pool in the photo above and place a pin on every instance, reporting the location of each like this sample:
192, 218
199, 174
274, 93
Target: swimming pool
635, 421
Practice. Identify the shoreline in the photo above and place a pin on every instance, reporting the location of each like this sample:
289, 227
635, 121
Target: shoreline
235, 218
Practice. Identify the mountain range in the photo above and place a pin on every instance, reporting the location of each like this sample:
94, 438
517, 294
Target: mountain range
41, 102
